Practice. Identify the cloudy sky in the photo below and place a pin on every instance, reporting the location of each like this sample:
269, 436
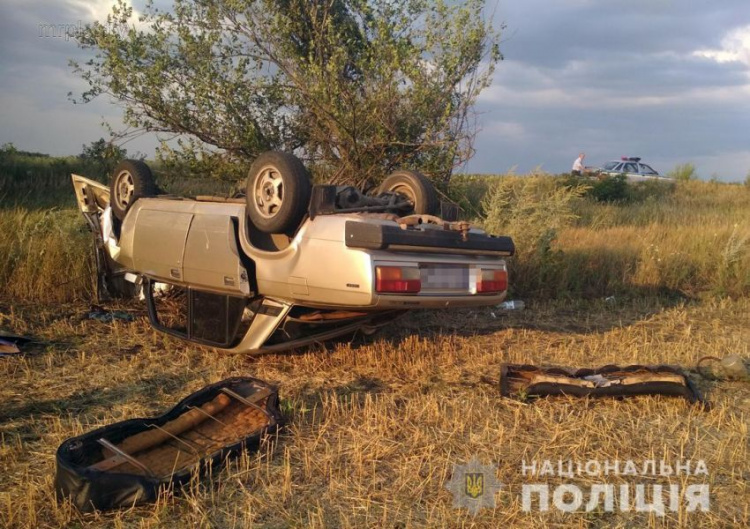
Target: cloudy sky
667, 80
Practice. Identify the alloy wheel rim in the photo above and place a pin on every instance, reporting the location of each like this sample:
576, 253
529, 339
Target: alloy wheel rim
124, 189
269, 193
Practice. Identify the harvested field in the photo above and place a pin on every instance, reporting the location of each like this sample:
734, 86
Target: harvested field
375, 428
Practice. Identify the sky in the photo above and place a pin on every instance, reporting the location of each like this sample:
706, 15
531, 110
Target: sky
666, 80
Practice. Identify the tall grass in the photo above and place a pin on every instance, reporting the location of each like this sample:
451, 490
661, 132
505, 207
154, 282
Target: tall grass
532, 210
44, 256
38, 183
692, 238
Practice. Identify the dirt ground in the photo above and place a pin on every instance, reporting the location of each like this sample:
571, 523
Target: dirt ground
375, 427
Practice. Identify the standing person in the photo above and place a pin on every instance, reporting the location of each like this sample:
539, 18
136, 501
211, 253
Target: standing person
578, 165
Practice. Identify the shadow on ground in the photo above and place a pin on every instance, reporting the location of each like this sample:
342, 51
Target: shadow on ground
83, 402
558, 316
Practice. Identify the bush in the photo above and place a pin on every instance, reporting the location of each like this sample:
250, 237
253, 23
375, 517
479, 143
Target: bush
468, 192
529, 208
532, 210
102, 157
617, 189
683, 172
610, 189
189, 161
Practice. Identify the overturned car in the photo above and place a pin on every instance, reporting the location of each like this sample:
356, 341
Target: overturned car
290, 263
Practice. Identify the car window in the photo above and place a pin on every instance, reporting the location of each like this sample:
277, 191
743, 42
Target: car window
215, 317
170, 304
645, 169
630, 168
610, 165
209, 318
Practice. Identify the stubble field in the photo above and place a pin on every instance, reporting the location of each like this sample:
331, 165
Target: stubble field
375, 426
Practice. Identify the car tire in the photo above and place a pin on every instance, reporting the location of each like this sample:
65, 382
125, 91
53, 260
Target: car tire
131, 180
416, 187
278, 192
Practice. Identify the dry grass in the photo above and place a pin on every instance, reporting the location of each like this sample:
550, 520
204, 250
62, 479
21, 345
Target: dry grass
45, 255
694, 241
690, 240
374, 429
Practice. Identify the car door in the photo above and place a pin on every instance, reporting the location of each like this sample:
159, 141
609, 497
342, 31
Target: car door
158, 240
631, 172
211, 258
646, 170
630, 169
609, 168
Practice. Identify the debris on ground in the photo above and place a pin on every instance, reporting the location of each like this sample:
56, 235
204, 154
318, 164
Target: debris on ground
11, 344
107, 316
607, 381
731, 367
131, 462
515, 304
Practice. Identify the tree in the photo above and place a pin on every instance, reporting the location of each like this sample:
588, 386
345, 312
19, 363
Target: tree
102, 156
357, 87
7, 151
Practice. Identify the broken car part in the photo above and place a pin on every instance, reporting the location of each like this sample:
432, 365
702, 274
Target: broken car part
12, 344
107, 316
130, 462
608, 381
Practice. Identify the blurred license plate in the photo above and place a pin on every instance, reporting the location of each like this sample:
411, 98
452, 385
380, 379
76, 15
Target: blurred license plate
445, 277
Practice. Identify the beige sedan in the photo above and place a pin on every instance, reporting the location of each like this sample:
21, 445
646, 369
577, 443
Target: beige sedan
210, 275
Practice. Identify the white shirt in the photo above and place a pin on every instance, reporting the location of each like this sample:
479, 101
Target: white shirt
578, 164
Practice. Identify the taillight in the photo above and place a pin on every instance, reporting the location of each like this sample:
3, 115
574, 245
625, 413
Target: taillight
397, 279
492, 281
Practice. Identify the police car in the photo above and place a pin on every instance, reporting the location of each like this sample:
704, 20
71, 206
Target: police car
633, 169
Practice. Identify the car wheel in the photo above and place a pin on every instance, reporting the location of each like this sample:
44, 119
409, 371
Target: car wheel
278, 192
416, 188
131, 180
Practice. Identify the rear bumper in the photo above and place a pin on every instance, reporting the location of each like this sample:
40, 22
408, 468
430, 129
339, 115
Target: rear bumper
372, 236
392, 301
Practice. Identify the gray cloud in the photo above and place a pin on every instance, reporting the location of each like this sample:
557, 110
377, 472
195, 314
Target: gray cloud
550, 34
617, 78
612, 78
37, 39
